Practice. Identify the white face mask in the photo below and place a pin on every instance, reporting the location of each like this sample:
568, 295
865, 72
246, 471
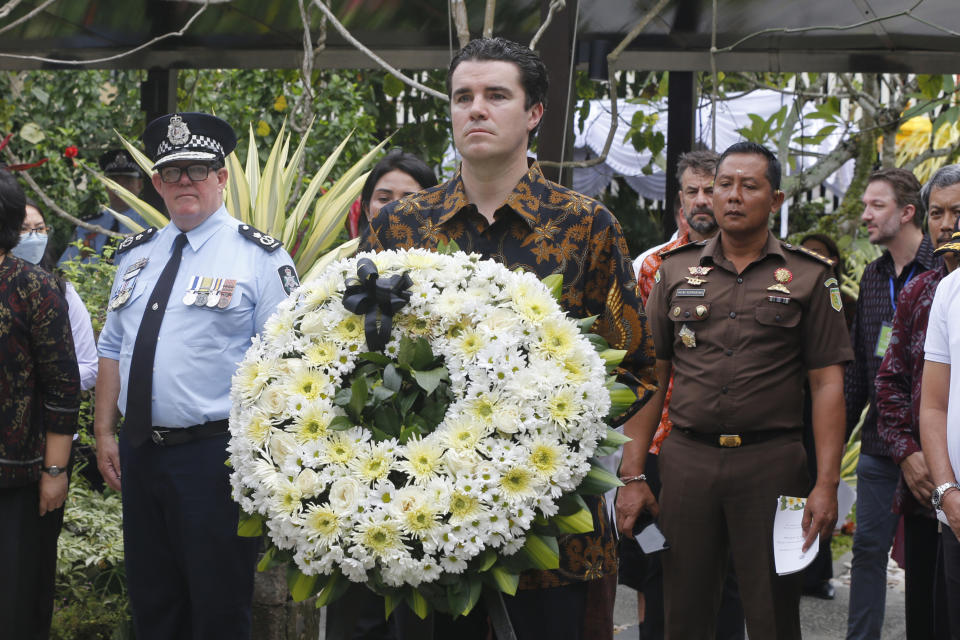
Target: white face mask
31, 247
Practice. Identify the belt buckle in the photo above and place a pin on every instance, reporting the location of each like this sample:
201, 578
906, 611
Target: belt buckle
728, 440
157, 436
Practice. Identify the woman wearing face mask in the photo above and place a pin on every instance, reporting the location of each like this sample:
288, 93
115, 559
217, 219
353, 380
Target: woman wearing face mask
39, 405
32, 248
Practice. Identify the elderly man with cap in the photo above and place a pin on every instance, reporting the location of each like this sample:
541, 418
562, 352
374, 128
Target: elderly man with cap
186, 301
117, 165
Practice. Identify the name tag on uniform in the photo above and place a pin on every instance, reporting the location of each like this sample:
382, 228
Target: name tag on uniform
691, 293
883, 340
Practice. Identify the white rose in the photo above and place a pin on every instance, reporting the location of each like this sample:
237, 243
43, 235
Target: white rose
309, 483
345, 495
282, 444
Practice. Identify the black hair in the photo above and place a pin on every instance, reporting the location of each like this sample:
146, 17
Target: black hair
752, 148
12, 211
397, 160
533, 73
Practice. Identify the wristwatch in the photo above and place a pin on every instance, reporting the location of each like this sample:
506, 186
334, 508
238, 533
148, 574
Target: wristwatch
937, 498
54, 470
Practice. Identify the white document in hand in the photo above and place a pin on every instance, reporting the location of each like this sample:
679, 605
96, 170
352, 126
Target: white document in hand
788, 537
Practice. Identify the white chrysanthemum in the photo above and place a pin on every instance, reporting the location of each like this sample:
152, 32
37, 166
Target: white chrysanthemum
374, 462
462, 433
422, 459
557, 337
380, 537
321, 354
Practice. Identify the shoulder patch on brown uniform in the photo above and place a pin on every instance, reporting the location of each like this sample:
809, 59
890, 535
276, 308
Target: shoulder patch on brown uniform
807, 252
683, 247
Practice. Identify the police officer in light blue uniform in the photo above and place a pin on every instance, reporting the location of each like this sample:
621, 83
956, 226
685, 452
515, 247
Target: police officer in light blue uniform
120, 167
186, 301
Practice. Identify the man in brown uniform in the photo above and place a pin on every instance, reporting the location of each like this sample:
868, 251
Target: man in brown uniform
742, 318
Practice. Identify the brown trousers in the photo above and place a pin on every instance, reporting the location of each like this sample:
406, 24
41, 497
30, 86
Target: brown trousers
717, 503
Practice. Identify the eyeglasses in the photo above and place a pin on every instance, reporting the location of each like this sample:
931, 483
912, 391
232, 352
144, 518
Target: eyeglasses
42, 231
196, 172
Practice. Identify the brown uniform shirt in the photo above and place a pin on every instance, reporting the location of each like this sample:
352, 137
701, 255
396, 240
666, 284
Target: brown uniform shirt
741, 344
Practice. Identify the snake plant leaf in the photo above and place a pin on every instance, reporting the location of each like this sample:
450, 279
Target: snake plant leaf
253, 170
238, 190
345, 250
151, 215
295, 220
139, 156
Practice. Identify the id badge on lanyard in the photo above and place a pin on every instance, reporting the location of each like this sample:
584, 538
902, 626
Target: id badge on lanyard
886, 328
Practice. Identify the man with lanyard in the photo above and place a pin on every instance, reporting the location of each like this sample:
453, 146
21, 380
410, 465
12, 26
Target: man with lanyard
502, 209
892, 213
186, 301
119, 167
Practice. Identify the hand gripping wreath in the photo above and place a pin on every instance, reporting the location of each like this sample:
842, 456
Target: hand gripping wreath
421, 423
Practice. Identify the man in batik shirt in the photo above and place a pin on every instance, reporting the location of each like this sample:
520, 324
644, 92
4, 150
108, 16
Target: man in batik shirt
502, 209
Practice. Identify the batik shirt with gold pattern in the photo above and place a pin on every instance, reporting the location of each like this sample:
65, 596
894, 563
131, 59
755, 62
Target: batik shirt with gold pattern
543, 228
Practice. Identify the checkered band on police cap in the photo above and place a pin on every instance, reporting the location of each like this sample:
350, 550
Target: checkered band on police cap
188, 136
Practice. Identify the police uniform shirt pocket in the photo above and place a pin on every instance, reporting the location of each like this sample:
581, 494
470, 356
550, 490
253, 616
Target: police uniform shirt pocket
779, 314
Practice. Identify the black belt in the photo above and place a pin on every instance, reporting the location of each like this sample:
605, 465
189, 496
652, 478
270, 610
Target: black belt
733, 440
171, 437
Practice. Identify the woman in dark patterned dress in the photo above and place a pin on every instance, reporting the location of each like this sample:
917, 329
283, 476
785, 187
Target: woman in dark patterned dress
39, 404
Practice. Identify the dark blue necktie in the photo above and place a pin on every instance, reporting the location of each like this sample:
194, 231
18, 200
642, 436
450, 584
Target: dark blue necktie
138, 418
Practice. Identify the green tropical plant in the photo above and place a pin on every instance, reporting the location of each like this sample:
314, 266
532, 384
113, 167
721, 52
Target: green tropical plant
261, 197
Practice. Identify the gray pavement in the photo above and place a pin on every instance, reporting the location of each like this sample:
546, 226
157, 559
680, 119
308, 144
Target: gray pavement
820, 619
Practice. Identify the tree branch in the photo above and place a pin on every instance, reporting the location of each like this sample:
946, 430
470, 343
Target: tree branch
555, 5
396, 73
459, 10
491, 8
612, 81
815, 175
930, 154
13, 5
53, 206
79, 63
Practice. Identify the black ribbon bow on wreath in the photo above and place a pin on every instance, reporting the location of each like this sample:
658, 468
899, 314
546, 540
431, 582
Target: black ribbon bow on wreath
377, 299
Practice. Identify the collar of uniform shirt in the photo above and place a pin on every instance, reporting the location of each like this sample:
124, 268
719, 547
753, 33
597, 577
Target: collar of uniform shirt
713, 250
197, 236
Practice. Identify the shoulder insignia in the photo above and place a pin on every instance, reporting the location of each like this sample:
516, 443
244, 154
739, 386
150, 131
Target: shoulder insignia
266, 242
136, 239
683, 247
807, 252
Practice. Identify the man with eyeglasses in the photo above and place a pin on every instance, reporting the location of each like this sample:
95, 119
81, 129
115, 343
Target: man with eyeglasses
186, 301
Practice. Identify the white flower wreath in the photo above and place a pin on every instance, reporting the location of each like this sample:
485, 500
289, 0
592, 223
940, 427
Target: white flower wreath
394, 468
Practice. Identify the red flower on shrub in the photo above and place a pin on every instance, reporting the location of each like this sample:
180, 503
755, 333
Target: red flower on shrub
71, 152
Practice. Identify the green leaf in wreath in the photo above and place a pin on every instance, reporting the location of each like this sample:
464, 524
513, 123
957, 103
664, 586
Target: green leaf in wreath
405, 352
447, 248
598, 480
598, 343
406, 402
358, 395
612, 358
614, 438
340, 423
250, 526
342, 397
390, 602
580, 522
554, 283
570, 504
543, 551
585, 324
381, 393
374, 357
487, 559
386, 419
433, 411
428, 380
267, 559
392, 378
418, 604
422, 355
335, 587
301, 586
505, 580
621, 398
